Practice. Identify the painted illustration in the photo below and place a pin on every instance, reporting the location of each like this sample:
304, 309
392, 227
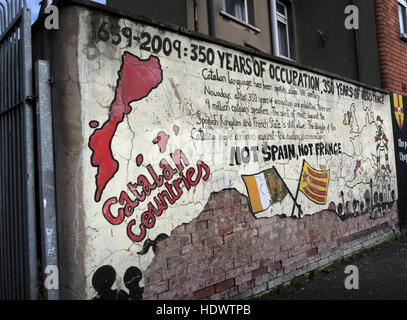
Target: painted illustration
379, 195
398, 106
136, 80
264, 189
166, 133
105, 277
313, 184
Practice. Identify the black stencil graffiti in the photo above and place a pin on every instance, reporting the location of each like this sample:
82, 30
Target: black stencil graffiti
379, 206
152, 243
132, 278
104, 278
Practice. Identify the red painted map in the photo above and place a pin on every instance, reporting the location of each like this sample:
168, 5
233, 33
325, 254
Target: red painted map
137, 78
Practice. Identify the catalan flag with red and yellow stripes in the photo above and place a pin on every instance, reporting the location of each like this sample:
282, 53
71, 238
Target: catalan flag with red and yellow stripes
314, 183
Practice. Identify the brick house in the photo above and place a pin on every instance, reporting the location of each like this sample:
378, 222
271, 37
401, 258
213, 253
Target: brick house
391, 28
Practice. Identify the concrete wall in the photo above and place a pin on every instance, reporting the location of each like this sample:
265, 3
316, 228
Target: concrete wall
174, 11
229, 30
60, 48
182, 13
211, 175
339, 55
369, 57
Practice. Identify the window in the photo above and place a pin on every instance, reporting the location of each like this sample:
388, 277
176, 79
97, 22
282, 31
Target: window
280, 29
236, 8
403, 16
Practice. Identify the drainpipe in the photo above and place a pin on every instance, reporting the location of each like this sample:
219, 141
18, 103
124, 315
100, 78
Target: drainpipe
46, 175
356, 36
211, 18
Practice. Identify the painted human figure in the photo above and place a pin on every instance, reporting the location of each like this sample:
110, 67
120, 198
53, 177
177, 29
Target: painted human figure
103, 280
382, 147
132, 278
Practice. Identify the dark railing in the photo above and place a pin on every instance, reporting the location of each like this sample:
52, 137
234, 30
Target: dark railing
18, 256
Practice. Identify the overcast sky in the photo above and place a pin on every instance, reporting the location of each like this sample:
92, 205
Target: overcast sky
35, 7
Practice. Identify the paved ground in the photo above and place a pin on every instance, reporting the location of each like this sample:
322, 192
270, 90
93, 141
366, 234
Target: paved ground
382, 275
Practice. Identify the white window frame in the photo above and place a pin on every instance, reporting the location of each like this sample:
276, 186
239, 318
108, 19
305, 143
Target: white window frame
246, 12
403, 3
275, 18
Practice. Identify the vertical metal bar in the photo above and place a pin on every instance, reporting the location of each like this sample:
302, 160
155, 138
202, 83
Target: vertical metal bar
13, 160
7, 213
18, 206
1, 58
10, 164
6, 95
8, 12
5, 177
2, 195
2, 167
46, 172
3, 205
5, 246
13, 199
12, 86
11, 10
20, 147
1, 76
14, 183
29, 155
2, 18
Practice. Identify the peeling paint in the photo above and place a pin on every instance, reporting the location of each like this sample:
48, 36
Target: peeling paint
221, 115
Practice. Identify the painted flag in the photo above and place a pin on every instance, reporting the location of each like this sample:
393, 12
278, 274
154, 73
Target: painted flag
264, 189
398, 109
314, 183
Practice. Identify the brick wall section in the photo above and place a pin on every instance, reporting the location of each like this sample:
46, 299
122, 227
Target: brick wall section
226, 253
392, 50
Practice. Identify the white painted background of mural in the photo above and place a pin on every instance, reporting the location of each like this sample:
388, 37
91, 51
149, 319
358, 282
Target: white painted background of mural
176, 101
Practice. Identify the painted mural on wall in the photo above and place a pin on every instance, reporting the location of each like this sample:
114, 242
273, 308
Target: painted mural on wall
170, 119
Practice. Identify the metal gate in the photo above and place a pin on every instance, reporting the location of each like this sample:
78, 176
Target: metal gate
18, 255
